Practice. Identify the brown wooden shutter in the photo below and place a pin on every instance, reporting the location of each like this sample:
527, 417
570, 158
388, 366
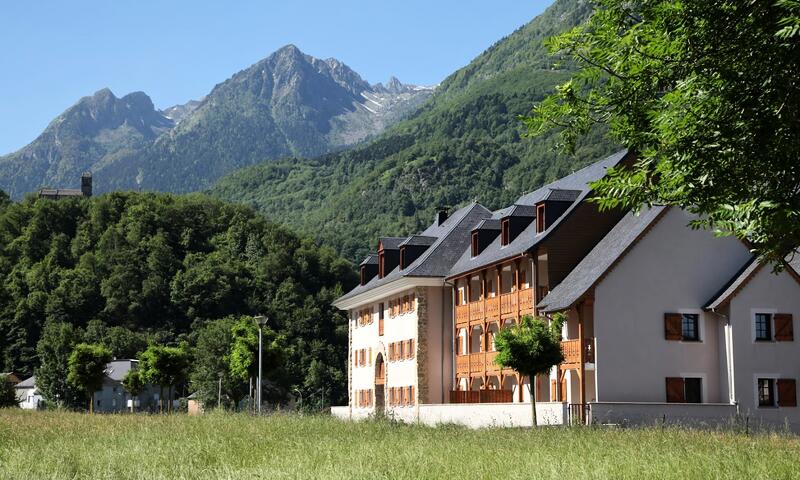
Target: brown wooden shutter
787, 392
412, 400
673, 328
553, 391
411, 351
675, 392
784, 329
369, 358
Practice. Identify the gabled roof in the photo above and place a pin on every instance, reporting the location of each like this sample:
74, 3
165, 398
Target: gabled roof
29, 382
735, 284
517, 210
391, 243
488, 224
419, 240
117, 369
528, 238
562, 195
450, 239
60, 192
600, 260
372, 259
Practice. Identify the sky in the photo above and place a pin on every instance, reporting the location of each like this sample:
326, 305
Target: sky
52, 52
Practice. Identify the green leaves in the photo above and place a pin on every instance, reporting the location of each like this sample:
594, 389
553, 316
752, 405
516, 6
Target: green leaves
86, 367
531, 347
707, 95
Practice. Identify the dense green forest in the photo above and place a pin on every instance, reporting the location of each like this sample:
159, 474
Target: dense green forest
466, 143
129, 269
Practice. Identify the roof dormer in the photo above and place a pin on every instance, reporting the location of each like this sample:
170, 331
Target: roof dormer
368, 268
483, 235
515, 221
388, 254
552, 206
413, 247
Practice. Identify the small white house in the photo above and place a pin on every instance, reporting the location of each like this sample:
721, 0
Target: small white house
27, 394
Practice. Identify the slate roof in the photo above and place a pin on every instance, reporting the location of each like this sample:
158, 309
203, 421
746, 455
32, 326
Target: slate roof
372, 259
488, 224
578, 181
391, 243
117, 369
451, 238
560, 195
419, 240
60, 192
598, 261
29, 382
734, 284
517, 210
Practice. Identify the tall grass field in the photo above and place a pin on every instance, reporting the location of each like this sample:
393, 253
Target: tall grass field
59, 445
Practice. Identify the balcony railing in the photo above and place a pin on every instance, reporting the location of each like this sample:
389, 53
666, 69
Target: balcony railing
462, 363
476, 363
508, 303
572, 351
476, 310
493, 307
481, 396
462, 313
526, 299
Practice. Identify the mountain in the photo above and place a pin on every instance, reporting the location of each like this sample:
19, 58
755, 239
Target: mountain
94, 132
287, 104
465, 143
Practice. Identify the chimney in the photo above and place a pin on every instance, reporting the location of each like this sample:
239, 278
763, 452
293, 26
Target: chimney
441, 216
86, 184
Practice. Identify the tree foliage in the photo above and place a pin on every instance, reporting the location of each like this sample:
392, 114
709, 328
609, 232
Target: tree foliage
86, 369
8, 396
531, 347
708, 95
125, 270
164, 366
53, 349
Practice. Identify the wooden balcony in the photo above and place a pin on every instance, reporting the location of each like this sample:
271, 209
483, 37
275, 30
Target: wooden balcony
526, 301
462, 364
462, 314
481, 396
492, 307
476, 363
476, 311
508, 303
572, 352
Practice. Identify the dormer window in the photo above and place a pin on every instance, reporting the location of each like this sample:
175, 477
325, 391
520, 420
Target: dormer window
402, 257
505, 232
540, 223
363, 275
380, 264
475, 244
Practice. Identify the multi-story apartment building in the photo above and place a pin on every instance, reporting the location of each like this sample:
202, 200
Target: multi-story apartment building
663, 321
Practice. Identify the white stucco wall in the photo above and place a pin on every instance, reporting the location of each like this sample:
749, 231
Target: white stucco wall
643, 414
765, 293
671, 269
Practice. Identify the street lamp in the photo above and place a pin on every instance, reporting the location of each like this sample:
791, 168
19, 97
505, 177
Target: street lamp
261, 320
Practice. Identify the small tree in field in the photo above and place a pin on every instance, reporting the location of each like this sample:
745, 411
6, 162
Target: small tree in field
531, 348
133, 384
164, 366
86, 368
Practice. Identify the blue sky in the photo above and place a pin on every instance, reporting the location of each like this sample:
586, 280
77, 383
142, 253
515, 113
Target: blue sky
54, 52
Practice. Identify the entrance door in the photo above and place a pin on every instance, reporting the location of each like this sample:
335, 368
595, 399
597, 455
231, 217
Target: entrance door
380, 381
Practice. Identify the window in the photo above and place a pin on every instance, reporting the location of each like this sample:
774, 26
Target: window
380, 319
363, 275
402, 257
684, 390
380, 264
689, 327
766, 392
505, 234
763, 327
475, 244
693, 388
540, 223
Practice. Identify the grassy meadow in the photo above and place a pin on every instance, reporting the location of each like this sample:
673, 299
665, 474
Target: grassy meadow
72, 445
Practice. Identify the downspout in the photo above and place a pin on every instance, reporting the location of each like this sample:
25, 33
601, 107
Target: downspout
452, 342
729, 358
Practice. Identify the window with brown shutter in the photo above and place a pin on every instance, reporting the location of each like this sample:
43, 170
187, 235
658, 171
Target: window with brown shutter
784, 330
369, 358
412, 400
405, 396
675, 390
787, 392
411, 349
673, 326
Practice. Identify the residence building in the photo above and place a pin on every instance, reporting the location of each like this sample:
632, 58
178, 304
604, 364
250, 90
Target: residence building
58, 193
663, 322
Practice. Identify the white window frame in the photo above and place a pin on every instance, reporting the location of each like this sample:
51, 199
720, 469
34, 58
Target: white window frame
701, 325
703, 384
753, 312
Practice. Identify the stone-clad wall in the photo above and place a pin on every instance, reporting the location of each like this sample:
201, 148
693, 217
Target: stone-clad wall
423, 316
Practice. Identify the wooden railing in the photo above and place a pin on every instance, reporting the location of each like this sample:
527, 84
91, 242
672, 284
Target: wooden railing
481, 396
493, 307
526, 299
490, 365
462, 363
476, 362
462, 313
508, 303
572, 351
476, 311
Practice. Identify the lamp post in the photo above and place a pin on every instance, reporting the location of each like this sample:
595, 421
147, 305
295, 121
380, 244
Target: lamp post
261, 320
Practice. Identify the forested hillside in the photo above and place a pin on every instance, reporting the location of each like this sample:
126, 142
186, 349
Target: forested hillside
466, 143
141, 268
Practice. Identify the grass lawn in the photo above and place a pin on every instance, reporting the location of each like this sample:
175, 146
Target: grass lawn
73, 445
